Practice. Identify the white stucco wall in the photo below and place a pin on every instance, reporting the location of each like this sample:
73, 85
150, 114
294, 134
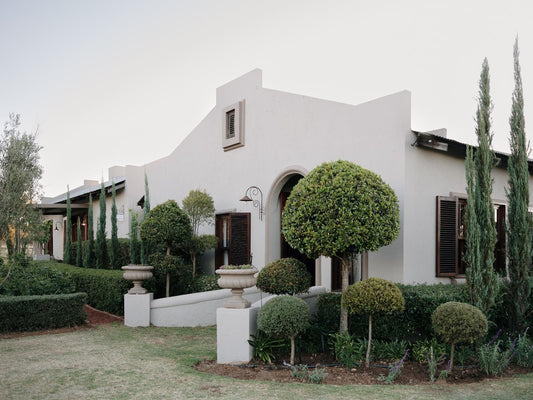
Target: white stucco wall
282, 130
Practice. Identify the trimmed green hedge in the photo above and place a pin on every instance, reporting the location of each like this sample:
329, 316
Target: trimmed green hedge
36, 278
32, 313
105, 288
412, 324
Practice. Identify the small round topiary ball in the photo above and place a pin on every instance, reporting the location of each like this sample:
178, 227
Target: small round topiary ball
284, 276
284, 316
372, 296
459, 322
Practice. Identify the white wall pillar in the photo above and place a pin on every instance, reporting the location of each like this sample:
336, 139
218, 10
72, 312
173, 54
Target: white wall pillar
234, 327
137, 309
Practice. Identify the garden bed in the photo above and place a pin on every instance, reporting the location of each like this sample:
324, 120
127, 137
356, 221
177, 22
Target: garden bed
413, 373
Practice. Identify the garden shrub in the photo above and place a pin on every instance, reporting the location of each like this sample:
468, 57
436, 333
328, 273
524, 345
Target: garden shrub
458, 322
105, 288
35, 279
284, 276
413, 324
204, 283
284, 316
31, 313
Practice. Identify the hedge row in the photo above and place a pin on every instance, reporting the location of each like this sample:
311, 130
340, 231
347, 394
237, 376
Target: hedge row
105, 288
34, 279
33, 313
413, 324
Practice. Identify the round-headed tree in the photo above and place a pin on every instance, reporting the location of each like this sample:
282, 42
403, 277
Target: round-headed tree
340, 210
459, 322
284, 316
370, 297
168, 226
284, 276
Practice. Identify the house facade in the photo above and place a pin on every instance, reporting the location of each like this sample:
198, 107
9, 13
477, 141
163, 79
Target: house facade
256, 143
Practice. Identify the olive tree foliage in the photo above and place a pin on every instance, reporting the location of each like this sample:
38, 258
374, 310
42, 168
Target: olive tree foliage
200, 208
458, 322
370, 297
284, 316
167, 225
20, 173
518, 222
482, 280
340, 210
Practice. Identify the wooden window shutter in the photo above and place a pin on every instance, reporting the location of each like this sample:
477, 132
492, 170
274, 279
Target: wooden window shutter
446, 236
239, 251
219, 251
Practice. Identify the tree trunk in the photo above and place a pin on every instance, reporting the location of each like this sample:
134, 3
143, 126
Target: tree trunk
343, 327
451, 356
193, 257
292, 350
367, 362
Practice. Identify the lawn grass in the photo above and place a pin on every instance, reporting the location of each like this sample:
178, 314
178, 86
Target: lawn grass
115, 362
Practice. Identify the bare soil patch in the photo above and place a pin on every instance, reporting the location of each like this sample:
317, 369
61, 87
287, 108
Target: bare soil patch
413, 373
94, 317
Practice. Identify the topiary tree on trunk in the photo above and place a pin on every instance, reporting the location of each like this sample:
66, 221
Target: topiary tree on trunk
370, 297
458, 322
169, 226
285, 316
284, 276
340, 210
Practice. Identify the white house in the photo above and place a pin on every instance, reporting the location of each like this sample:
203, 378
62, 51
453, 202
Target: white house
267, 139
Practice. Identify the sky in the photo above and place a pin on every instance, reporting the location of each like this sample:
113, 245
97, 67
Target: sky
122, 82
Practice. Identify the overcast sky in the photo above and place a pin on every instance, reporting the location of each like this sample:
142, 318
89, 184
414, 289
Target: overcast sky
116, 82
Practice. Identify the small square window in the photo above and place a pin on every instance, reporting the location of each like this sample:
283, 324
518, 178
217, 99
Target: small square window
233, 126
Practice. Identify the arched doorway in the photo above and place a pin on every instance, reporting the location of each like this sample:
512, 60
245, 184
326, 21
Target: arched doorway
285, 249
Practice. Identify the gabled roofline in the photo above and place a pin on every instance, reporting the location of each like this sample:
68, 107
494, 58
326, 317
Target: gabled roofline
441, 144
84, 191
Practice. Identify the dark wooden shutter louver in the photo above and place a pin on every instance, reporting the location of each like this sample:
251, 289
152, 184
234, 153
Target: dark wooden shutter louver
446, 236
240, 239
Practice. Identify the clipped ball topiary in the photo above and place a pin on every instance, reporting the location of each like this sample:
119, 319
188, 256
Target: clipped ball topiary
373, 296
458, 322
284, 316
284, 276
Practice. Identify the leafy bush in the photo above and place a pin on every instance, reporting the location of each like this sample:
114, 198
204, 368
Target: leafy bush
284, 276
423, 347
524, 351
349, 351
265, 346
30, 313
459, 322
35, 279
413, 324
204, 283
493, 358
105, 288
284, 316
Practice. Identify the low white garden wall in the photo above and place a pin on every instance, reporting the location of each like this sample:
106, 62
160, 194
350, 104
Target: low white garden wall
196, 309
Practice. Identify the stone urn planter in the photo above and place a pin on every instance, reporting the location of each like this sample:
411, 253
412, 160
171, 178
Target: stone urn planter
236, 278
137, 274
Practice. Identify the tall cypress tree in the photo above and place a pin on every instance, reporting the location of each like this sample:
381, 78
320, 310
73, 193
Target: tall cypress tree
519, 222
114, 253
145, 246
482, 280
89, 256
67, 252
134, 238
102, 257
79, 258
